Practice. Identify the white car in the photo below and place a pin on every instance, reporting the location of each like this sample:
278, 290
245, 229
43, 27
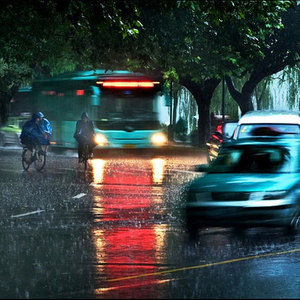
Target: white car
280, 122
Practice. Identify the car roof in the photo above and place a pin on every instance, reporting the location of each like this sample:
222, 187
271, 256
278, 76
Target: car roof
270, 117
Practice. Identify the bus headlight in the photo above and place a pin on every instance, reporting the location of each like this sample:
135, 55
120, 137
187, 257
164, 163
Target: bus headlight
100, 139
159, 139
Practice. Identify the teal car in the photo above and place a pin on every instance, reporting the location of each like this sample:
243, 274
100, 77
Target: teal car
253, 182
10, 132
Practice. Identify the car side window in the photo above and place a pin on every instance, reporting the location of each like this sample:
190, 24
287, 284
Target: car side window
254, 160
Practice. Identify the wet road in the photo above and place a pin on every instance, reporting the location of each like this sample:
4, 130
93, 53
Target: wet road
117, 231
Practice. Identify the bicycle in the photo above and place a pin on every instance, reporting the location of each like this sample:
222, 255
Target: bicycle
85, 155
37, 157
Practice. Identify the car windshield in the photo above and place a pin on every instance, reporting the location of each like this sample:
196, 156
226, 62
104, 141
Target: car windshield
246, 130
229, 129
253, 159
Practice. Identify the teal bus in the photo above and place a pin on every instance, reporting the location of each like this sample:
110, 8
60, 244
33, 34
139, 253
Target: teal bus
124, 106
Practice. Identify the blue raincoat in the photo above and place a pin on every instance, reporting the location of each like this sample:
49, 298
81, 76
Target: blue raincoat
32, 133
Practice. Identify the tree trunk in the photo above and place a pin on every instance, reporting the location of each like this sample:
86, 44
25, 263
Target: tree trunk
245, 103
202, 92
244, 98
259, 97
175, 104
5, 98
4, 102
204, 123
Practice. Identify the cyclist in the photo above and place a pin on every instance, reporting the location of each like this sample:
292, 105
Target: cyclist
84, 134
46, 128
32, 134
45, 125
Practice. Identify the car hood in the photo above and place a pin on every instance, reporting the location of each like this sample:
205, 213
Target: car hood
244, 182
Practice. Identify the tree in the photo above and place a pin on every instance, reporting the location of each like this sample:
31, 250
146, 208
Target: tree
289, 80
32, 42
280, 50
202, 42
43, 38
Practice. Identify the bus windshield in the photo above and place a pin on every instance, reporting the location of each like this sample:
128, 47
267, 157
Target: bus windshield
128, 102
134, 108
126, 109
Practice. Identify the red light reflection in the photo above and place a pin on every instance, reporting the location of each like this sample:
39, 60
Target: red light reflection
128, 241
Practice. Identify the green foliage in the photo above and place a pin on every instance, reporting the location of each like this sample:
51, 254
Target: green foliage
201, 39
262, 94
170, 76
289, 81
172, 37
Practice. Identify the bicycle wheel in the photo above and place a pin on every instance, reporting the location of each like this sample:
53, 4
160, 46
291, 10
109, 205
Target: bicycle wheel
40, 159
85, 156
25, 162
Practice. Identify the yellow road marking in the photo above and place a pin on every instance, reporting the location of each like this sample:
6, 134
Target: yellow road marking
205, 265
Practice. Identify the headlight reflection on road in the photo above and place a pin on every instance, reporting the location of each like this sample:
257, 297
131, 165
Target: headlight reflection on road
158, 165
126, 239
98, 170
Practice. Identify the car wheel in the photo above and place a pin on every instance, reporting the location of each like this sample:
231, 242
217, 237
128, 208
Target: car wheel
2, 140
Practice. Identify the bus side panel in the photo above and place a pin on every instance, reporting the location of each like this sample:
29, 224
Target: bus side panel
62, 103
68, 130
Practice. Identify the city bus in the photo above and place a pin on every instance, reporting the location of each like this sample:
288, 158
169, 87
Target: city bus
125, 108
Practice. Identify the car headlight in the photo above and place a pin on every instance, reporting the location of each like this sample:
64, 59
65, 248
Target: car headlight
101, 139
159, 139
